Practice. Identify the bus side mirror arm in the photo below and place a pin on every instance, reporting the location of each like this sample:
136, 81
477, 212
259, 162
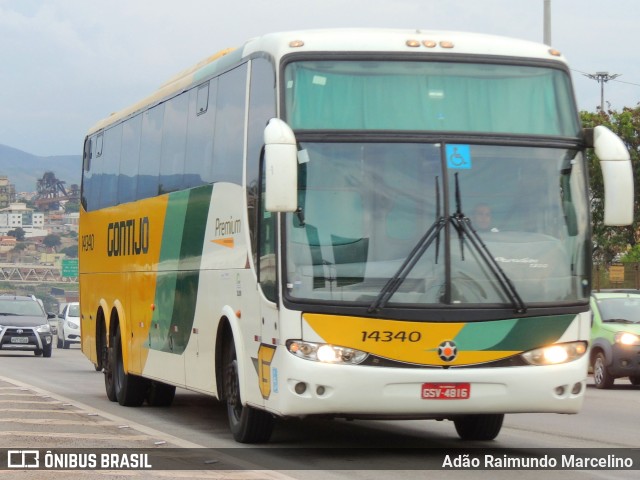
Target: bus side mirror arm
280, 167
617, 176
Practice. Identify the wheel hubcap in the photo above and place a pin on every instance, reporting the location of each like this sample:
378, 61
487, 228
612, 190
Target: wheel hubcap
598, 373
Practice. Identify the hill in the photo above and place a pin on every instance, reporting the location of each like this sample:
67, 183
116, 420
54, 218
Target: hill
24, 169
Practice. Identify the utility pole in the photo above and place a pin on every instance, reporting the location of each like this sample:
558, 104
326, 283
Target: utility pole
601, 78
547, 22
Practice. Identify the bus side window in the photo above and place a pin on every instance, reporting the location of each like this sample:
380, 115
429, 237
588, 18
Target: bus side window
86, 171
110, 163
150, 147
202, 115
127, 177
174, 137
228, 145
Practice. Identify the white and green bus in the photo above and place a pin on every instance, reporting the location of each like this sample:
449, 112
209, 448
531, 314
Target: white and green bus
348, 223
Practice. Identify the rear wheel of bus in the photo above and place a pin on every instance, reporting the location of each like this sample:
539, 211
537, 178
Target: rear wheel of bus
479, 427
130, 390
247, 424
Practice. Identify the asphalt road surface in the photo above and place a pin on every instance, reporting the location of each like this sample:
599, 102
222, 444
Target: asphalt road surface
59, 402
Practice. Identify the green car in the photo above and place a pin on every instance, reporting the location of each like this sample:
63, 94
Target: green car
615, 337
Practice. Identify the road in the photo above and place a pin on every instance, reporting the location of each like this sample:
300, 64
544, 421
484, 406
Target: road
609, 419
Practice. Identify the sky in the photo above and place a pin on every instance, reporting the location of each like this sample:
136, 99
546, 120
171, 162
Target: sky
65, 64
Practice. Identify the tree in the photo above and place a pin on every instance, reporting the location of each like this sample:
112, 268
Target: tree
18, 233
52, 241
612, 241
71, 252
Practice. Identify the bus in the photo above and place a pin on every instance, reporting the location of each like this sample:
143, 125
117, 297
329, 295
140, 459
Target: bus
290, 227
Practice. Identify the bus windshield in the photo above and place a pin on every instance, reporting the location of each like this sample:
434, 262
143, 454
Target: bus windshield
365, 206
429, 96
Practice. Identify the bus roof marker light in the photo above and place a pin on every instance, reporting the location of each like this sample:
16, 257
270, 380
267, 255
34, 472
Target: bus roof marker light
296, 43
554, 52
446, 44
412, 43
430, 43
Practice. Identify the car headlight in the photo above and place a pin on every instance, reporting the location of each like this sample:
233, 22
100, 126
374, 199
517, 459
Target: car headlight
326, 353
556, 353
44, 328
72, 325
626, 338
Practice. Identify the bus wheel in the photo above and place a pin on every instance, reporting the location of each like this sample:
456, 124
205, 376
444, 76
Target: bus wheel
130, 390
248, 425
160, 394
105, 364
479, 427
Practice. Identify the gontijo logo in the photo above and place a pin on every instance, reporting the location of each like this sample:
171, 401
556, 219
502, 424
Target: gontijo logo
128, 237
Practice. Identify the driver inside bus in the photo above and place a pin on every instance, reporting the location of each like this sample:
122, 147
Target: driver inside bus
481, 220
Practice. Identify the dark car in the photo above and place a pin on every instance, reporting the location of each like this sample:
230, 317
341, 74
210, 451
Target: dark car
24, 325
615, 336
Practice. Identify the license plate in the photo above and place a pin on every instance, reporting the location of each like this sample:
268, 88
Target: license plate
19, 340
446, 391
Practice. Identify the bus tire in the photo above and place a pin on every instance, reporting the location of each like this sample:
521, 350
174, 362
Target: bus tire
130, 390
247, 424
109, 384
479, 427
160, 394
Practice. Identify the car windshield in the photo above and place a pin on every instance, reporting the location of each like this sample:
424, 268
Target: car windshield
20, 308
620, 309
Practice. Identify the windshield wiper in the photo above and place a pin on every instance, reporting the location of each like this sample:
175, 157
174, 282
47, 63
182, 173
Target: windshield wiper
463, 226
432, 233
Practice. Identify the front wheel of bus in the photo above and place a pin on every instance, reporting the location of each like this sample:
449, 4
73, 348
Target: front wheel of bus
247, 424
130, 390
479, 427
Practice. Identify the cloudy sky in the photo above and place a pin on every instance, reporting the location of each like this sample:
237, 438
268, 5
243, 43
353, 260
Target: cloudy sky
67, 63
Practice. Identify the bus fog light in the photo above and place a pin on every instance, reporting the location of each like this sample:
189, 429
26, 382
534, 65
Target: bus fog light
320, 390
300, 388
560, 390
556, 354
577, 388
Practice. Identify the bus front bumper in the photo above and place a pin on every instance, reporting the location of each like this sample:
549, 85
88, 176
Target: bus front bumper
301, 387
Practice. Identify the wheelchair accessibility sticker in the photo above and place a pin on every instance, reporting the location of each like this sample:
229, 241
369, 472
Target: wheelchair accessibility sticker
458, 156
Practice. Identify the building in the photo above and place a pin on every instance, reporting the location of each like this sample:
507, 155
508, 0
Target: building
7, 192
18, 215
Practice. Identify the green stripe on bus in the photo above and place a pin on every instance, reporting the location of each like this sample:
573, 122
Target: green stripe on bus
179, 271
520, 334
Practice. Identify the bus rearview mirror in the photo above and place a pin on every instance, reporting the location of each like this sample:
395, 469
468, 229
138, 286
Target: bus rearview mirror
280, 167
617, 176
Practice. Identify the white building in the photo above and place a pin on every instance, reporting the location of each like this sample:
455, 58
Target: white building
18, 215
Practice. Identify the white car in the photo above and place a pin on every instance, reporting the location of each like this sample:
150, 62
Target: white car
69, 325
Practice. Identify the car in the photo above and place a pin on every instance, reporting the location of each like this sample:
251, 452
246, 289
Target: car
69, 325
24, 325
615, 337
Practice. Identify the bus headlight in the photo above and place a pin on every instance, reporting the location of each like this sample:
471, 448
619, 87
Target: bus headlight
626, 338
326, 353
555, 354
